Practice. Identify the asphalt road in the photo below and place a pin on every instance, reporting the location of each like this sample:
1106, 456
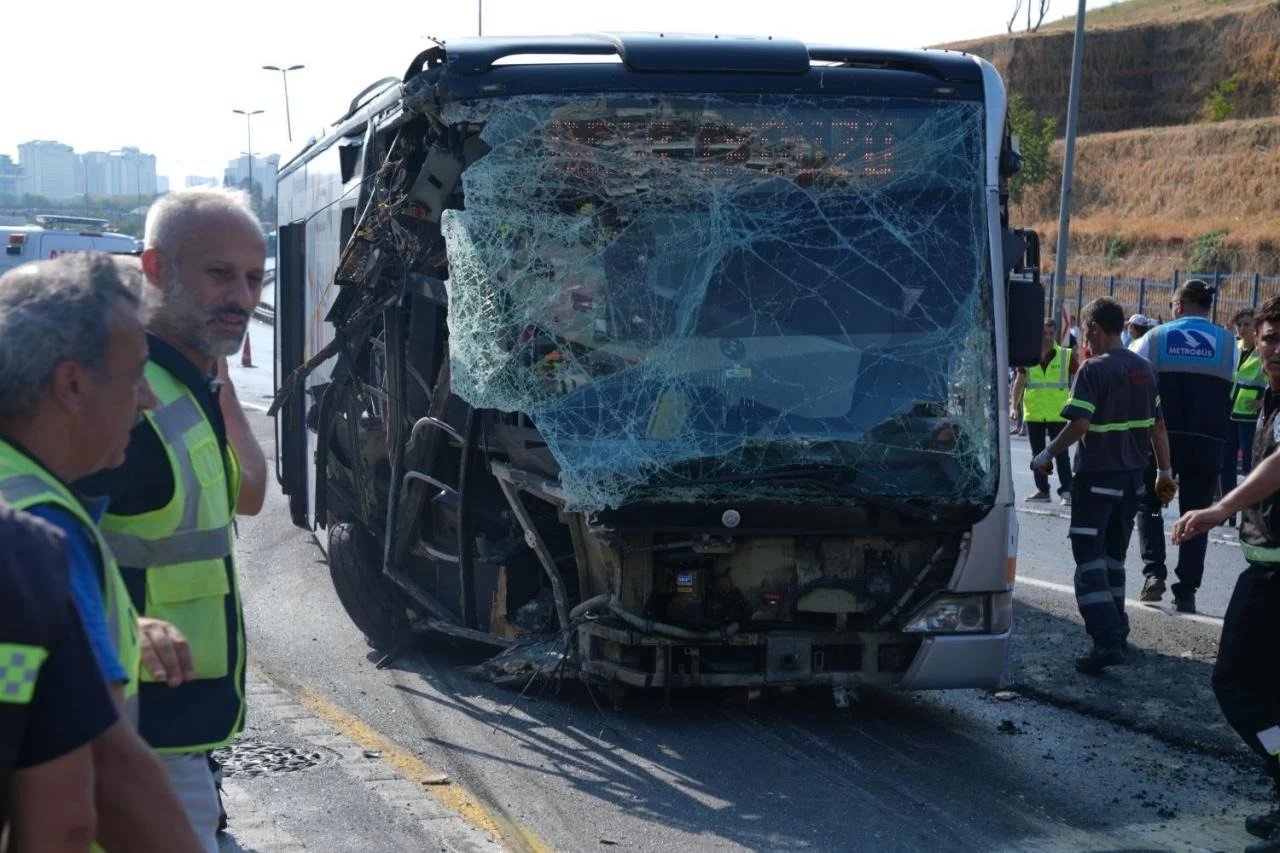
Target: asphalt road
1137, 759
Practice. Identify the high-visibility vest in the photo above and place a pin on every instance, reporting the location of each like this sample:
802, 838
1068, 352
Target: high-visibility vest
185, 552
1047, 388
25, 483
1249, 385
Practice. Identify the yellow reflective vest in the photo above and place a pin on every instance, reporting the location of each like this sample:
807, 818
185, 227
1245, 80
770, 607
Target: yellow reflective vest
1250, 382
1047, 389
185, 551
25, 483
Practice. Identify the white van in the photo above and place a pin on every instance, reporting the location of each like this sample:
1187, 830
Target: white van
57, 235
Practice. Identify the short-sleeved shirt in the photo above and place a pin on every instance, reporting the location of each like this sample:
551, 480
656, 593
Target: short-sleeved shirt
1117, 392
55, 705
86, 576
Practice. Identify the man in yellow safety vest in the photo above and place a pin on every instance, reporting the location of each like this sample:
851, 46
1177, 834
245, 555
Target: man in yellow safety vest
1043, 390
1246, 402
192, 465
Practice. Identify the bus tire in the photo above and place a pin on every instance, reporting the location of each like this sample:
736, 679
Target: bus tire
371, 600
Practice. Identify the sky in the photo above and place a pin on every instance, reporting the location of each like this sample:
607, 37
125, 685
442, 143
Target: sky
165, 76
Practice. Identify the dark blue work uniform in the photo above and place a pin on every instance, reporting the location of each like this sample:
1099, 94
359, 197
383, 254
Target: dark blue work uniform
1195, 362
53, 699
1116, 393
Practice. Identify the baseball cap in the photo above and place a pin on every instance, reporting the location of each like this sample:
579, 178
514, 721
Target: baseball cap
1140, 320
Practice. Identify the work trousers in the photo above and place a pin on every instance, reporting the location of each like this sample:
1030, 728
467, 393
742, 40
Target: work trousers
1196, 462
1246, 677
194, 784
1151, 525
1239, 442
1040, 434
1103, 504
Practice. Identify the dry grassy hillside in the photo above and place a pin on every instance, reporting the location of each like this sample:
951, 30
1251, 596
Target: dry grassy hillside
1150, 74
1149, 11
1155, 180
1143, 197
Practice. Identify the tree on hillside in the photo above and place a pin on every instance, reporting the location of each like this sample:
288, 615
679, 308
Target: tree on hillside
1035, 138
1041, 8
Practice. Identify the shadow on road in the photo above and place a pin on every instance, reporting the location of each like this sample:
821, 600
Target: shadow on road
715, 766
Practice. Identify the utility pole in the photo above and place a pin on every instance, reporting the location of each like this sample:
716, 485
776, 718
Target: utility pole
479, 17
1068, 167
248, 126
284, 75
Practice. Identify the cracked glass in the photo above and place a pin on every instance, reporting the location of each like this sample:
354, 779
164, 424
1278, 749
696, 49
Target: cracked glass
722, 298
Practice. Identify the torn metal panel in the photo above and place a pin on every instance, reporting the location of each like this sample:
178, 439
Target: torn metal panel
715, 298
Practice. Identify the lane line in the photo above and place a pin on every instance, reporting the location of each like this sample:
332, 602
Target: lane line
1130, 603
452, 796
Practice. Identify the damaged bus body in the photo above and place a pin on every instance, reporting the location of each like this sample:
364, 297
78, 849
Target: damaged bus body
686, 353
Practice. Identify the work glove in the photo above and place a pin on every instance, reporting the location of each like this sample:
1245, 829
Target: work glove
1042, 462
1166, 488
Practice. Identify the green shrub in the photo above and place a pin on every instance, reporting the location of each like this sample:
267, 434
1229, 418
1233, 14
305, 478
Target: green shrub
1207, 253
1218, 106
1035, 140
1115, 250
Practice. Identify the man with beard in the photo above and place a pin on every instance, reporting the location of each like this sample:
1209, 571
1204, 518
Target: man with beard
191, 466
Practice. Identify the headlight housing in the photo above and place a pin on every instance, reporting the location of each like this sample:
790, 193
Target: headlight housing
974, 613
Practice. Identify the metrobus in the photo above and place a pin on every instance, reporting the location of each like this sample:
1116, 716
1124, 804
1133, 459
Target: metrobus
687, 353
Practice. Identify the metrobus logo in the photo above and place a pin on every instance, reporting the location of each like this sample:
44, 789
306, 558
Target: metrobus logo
1189, 343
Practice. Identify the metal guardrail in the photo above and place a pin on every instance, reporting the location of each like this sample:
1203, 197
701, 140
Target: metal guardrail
1152, 296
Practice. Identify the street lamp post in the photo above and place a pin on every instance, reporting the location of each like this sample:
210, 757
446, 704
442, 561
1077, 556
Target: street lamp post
248, 125
284, 75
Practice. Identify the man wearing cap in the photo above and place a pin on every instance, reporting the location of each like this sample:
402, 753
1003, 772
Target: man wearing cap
1195, 363
1135, 327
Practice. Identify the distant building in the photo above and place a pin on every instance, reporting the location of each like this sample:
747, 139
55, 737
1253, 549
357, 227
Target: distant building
133, 173
264, 174
97, 174
201, 181
10, 176
162, 184
49, 169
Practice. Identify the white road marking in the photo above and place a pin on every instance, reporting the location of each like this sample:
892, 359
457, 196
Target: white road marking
1216, 621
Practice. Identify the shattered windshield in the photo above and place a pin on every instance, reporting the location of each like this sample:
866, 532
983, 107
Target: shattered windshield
710, 297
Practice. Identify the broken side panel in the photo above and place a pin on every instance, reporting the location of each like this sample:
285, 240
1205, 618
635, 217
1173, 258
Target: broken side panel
731, 298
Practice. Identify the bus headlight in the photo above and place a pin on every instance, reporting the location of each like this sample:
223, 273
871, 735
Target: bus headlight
950, 614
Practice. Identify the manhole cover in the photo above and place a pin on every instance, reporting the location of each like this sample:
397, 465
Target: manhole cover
256, 758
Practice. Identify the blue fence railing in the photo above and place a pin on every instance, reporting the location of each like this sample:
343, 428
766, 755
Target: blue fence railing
1152, 296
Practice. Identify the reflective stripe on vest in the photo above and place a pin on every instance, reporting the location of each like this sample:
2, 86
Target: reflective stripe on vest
186, 550
1045, 394
1249, 385
25, 484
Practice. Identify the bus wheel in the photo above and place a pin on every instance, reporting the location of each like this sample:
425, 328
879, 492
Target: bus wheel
372, 602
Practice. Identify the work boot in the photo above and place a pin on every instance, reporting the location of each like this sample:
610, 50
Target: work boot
1271, 844
1185, 602
1101, 657
1038, 498
1262, 825
1152, 589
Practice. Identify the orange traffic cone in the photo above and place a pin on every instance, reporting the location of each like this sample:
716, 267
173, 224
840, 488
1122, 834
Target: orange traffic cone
246, 358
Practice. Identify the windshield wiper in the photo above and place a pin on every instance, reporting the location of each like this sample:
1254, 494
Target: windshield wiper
846, 489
